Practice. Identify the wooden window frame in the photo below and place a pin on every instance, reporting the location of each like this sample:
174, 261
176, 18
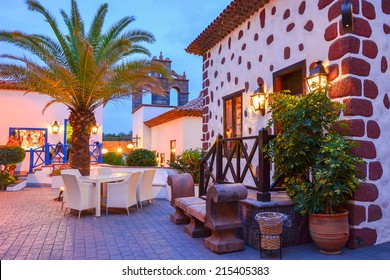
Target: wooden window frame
232, 96
285, 71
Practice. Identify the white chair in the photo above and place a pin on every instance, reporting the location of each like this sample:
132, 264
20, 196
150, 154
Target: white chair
104, 171
123, 194
144, 187
71, 171
79, 196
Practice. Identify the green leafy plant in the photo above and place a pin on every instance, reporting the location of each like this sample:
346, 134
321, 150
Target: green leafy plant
113, 158
188, 162
141, 157
9, 156
310, 152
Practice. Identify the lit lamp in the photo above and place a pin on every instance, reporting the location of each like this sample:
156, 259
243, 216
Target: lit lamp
317, 78
258, 99
94, 128
347, 16
55, 127
130, 146
104, 151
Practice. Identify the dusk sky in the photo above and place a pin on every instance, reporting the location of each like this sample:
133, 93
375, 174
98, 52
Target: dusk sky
174, 23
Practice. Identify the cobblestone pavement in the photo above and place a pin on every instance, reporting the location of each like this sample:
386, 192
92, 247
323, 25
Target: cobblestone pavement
33, 227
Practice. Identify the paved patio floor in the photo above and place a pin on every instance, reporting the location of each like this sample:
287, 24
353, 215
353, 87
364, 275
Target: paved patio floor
33, 227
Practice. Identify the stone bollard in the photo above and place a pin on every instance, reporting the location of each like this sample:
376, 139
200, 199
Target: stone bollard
222, 217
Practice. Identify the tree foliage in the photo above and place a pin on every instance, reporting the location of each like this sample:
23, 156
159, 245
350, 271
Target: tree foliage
311, 153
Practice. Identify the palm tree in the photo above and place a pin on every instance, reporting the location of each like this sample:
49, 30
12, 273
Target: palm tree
82, 69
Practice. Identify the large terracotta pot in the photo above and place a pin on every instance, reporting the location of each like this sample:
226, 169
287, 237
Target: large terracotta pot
329, 232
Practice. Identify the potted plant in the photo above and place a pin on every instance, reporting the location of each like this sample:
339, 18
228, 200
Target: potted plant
10, 155
315, 160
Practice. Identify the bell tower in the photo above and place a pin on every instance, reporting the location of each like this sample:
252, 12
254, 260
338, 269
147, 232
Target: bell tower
178, 82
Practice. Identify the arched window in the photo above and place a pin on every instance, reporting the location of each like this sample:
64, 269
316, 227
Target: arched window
173, 97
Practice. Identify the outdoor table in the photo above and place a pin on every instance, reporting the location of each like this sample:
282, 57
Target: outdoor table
98, 180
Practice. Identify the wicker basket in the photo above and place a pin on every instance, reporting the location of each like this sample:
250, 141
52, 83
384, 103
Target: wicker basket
271, 228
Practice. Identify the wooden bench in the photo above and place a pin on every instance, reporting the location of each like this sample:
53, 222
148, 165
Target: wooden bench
216, 218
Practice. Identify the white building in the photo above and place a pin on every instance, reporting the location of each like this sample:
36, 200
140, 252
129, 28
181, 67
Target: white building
21, 114
168, 130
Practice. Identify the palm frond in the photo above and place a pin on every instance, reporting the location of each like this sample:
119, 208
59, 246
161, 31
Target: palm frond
138, 35
97, 24
113, 32
34, 5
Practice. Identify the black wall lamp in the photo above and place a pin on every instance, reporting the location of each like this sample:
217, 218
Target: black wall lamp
347, 16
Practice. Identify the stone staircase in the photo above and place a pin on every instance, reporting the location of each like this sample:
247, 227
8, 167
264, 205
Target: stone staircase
39, 178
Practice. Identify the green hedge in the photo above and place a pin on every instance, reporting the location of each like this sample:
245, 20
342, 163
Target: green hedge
141, 157
113, 158
10, 155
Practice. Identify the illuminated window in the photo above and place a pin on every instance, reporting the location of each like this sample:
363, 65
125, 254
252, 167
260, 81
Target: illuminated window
233, 115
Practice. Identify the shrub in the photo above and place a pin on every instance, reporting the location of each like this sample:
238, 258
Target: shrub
141, 157
310, 144
113, 158
9, 156
188, 162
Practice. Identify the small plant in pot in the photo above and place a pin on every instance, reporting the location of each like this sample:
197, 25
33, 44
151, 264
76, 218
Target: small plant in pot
315, 160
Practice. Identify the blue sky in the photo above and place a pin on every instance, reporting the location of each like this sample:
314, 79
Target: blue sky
174, 23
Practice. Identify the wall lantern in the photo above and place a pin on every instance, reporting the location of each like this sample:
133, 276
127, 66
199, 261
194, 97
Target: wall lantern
317, 78
258, 99
55, 127
347, 16
94, 128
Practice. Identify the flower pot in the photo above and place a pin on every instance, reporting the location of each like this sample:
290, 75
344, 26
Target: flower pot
329, 232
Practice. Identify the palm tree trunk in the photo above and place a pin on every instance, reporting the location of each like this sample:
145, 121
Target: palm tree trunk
79, 156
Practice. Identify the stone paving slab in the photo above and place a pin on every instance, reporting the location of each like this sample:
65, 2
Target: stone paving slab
33, 227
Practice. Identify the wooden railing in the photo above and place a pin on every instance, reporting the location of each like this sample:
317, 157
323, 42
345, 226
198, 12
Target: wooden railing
230, 160
58, 154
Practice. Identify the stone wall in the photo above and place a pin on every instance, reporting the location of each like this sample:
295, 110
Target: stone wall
283, 33
359, 71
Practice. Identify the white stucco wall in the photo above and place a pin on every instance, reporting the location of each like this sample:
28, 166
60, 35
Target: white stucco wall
187, 131
271, 58
139, 116
254, 54
18, 110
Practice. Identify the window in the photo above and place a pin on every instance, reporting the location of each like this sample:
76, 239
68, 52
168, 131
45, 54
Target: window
173, 150
232, 105
291, 78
